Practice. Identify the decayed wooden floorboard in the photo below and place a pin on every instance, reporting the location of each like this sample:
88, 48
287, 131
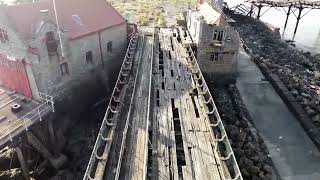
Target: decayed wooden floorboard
182, 89
137, 147
187, 169
163, 160
173, 150
203, 136
200, 159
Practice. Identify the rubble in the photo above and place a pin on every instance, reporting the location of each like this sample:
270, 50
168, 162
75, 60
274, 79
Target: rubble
251, 152
15, 174
8, 159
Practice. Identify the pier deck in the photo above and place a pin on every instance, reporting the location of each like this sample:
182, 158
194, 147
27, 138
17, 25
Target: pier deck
167, 126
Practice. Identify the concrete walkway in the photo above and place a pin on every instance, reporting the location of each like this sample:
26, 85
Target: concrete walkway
292, 151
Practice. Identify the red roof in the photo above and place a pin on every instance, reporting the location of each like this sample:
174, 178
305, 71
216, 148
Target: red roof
76, 17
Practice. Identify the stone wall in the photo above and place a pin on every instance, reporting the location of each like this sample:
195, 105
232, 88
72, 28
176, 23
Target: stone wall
44, 71
48, 73
222, 70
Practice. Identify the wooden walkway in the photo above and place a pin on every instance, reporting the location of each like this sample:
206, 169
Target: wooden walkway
166, 134
182, 144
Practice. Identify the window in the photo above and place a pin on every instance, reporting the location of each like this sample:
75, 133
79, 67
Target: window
52, 44
218, 35
214, 56
109, 46
195, 29
89, 57
50, 36
3, 36
215, 35
77, 19
64, 69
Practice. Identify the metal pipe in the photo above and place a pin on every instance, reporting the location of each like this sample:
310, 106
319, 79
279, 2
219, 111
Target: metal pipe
259, 11
288, 14
298, 19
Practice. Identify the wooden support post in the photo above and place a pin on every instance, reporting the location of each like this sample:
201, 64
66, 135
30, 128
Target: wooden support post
259, 11
52, 137
24, 165
298, 19
56, 162
288, 14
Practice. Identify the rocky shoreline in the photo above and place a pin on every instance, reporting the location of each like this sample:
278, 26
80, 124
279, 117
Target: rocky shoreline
251, 152
284, 65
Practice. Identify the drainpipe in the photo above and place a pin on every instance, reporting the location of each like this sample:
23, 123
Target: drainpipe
101, 53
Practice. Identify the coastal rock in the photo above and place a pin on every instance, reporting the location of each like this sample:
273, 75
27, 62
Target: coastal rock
254, 169
316, 119
298, 70
15, 174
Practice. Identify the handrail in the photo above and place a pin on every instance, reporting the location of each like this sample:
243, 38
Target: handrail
193, 64
36, 114
220, 125
129, 56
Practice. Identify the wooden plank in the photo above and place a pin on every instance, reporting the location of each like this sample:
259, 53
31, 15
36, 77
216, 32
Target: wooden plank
202, 120
207, 154
196, 158
186, 170
155, 136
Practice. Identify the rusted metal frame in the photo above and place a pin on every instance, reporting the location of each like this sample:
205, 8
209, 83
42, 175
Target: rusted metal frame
112, 110
219, 124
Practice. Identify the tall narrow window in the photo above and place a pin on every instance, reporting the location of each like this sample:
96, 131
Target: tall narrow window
109, 46
4, 36
215, 35
220, 36
50, 36
64, 69
89, 57
52, 44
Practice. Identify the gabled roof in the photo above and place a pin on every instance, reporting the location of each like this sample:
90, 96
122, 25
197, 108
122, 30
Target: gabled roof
210, 14
76, 17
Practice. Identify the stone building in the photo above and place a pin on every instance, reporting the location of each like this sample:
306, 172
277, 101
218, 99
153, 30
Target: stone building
34, 57
216, 42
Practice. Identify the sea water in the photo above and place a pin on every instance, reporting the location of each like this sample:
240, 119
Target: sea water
308, 33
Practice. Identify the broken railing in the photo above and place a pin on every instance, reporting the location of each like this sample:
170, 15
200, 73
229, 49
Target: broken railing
222, 146
100, 152
23, 123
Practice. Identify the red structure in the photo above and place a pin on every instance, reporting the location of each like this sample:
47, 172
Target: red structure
13, 75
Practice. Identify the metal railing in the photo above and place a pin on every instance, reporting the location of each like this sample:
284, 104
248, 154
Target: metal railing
206, 99
28, 119
104, 139
125, 131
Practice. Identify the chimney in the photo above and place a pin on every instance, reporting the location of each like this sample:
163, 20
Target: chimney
44, 14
